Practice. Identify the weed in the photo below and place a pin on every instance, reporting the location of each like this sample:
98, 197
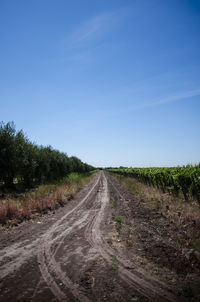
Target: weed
5, 244
114, 263
118, 221
135, 192
43, 228
112, 204
157, 203
173, 207
74, 177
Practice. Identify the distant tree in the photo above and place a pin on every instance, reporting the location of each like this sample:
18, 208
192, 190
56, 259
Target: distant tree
8, 165
31, 164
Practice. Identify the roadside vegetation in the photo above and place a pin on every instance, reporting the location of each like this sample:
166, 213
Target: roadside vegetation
16, 207
177, 181
24, 164
112, 203
118, 221
35, 179
185, 214
114, 263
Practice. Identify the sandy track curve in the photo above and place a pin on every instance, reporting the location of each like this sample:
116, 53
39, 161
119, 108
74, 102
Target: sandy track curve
49, 267
142, 283
70, 258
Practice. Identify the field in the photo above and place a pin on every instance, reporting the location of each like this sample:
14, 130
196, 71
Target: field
177, 180
105, 244
73, 233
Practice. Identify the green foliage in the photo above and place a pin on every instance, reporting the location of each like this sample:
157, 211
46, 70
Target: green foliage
112, 204
118, 221
30, 164
114, 263
184, 179
74, 177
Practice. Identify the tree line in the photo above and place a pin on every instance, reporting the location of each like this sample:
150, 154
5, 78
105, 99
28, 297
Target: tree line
24, 162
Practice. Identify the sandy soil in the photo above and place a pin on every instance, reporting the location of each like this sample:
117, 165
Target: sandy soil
102, 246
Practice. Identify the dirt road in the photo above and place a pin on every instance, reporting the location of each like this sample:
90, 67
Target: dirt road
88, 251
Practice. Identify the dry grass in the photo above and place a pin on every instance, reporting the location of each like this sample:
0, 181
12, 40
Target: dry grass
13, 210
184, 214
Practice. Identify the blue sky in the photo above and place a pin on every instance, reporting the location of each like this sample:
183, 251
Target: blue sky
113, 82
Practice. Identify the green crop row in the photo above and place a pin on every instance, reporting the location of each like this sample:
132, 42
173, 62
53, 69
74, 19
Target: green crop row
175, 180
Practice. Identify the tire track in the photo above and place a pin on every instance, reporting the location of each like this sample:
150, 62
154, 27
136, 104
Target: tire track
145, 285
74, 252
50, 268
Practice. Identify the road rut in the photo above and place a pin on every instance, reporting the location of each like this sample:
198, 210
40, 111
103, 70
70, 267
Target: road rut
73, 261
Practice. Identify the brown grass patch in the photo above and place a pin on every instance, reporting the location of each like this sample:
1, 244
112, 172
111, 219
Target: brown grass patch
40, 200
185, 215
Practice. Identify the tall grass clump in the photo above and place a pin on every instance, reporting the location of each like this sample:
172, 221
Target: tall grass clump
42, 199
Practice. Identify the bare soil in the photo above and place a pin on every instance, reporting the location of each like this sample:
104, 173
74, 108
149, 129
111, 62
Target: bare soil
101, 246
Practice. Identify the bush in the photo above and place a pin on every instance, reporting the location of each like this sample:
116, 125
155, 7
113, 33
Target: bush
30, 164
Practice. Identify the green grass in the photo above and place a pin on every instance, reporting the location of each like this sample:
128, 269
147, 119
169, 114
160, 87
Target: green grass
114, 263
74, 177
112, 204
118, 221
77, 177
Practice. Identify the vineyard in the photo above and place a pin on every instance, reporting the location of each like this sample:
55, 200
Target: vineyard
176, 180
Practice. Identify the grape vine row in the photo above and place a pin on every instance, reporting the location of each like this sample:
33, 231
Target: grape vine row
185, 180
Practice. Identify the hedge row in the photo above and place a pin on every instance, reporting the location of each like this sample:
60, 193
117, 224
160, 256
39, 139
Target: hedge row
24, 162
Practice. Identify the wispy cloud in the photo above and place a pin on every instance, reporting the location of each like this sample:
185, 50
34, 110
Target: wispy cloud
92, 28
82, 42
173, 98
170, 99
95, 27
